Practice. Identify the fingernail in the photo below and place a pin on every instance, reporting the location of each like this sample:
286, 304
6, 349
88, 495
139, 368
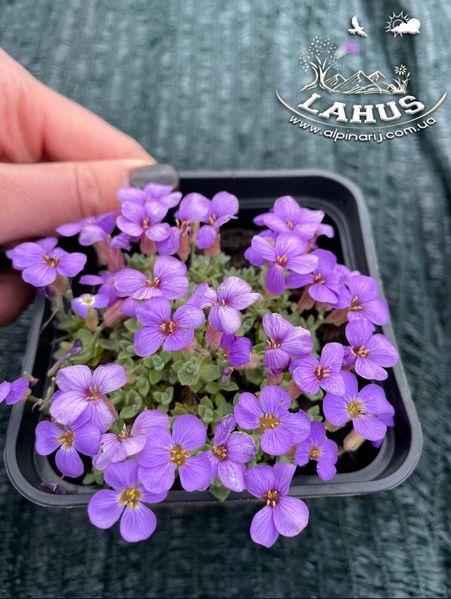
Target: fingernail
164, 174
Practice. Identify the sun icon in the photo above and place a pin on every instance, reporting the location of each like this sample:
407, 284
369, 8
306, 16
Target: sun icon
395, 20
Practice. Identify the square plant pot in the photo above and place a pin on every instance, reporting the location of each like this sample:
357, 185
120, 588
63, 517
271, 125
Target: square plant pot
369, 469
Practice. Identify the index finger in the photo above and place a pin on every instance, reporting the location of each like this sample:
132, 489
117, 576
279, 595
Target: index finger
46, 126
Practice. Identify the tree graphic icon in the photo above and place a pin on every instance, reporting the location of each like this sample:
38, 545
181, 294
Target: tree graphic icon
320, 57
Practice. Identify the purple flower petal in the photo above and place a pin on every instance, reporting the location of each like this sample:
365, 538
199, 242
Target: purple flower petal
158, 232
370, 427
86, 438
122, 476
303, 265
156, 452
373, 396
259, 480
332, 357
223, 429
326, 469
150, 418
240, 448
290, 516
109, 377
206, 237
195, 475
277, 441
358, 332
274, 400
264, 247
39, 275
333, 384
17, 391
321, 293
147, 341
104, 509
74, 378
71, 264
382, 351
47, 437
231, 474
158, 479
67, 407
178, 340
283, 474
69, 462
298, 424
225, 319
154, 312
128, 281
189, 316
248, 411
369, 369
335, 409
189, 432
100, 414
275, 279
263, 530
137, 524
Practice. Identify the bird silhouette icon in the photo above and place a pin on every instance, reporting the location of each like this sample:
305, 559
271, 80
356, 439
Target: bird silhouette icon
356, 28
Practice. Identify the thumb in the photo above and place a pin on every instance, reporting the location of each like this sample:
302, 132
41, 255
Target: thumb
37, 198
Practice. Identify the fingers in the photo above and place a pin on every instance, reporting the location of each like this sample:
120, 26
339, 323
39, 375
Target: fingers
36, 198
44, 125
14, 296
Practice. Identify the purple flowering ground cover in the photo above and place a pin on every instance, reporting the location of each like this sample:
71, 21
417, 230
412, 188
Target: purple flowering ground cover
394, 544
181, 369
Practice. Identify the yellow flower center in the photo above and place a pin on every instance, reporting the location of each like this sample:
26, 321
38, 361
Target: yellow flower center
281, 261
155, 283
168, 328
269, 421
67, 439
52, 262
321, 373
130, 498
360, 351
318, 280
178, 455
87, 299
315, 452
271, 498
355, 306
290, 224
212, 219
220, 452
271, 344
145, 223
94, 394
355, 408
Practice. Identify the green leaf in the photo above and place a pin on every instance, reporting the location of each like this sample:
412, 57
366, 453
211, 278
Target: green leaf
132, 325
218, 490
209, 372
89, 479
164, 397
205, 414
189, 373
155, 376
314, 413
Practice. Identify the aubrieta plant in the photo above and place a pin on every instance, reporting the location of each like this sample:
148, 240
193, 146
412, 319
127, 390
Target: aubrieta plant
176, 369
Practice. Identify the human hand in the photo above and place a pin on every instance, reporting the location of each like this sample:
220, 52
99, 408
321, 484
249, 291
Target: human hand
58, 163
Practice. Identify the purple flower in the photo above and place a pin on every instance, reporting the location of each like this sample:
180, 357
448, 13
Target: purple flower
285, 342
324, 281
41, 261
363, 407
12, 393
130, 441
167, 280
233, 295
82, 436
144, 221
160, 327
164, 453
82, 304
221, 209
319, 448
84, 391
369, 354
254, 257
230, 451
106, 282
287, 254
288, 217
125, 501
281, 515
312, 374
237, 350
269, 414
360, 296
154, 192
192, 209
91, 229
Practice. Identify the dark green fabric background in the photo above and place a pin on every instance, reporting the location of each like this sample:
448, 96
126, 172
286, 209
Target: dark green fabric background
194, 81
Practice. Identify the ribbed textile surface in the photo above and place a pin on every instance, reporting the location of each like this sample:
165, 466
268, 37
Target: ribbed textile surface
194, 81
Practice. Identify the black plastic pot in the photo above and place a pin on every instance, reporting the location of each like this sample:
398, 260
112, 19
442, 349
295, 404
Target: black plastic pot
33, 475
